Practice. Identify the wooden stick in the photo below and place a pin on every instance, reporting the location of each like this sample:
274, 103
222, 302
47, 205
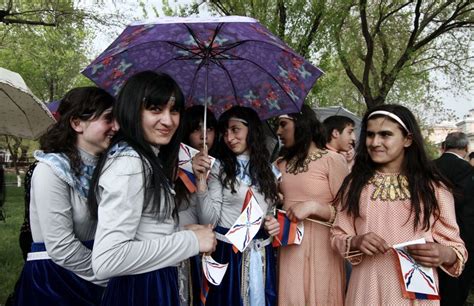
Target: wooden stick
354, 255
312, 220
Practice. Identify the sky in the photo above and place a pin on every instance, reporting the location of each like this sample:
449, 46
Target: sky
459, 103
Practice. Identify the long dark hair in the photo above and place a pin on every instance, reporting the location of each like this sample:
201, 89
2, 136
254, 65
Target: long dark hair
260, 169
417, 167
83, 103
192, 119
307, 129
142, 91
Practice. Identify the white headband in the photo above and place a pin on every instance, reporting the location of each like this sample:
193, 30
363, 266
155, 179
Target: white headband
286, 117
391, 115
238, 119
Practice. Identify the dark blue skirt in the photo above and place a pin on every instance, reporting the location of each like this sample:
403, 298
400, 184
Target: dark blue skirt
158, 287
228, 292
42, 282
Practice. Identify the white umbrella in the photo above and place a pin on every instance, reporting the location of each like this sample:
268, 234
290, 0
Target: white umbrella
21, 113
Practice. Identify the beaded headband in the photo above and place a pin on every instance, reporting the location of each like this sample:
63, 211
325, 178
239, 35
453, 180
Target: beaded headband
391, 115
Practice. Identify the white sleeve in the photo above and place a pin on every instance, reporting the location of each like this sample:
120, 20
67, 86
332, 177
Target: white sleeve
209, 206
52, 197
116, 251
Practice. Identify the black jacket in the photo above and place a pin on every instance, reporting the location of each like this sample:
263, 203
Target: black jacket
461, 174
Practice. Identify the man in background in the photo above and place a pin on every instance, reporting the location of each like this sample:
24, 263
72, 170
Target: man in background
460, 173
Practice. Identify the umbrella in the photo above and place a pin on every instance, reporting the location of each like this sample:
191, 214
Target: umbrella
21, 113
218, 62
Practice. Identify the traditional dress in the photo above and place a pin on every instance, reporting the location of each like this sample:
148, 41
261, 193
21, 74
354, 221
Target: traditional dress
312, 273
250, 277
134, 249
384, 207
58, 270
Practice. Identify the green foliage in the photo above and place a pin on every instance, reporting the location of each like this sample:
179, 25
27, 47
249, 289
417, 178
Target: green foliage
10, 253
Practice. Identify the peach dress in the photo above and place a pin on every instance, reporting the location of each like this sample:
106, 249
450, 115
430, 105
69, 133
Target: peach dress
384, 210
312, 273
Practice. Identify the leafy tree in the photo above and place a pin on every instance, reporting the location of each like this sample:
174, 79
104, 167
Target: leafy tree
373, 52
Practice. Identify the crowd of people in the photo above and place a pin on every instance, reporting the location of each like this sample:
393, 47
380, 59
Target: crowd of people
113, 224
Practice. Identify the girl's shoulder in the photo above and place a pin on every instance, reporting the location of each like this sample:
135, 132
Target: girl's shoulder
122, 149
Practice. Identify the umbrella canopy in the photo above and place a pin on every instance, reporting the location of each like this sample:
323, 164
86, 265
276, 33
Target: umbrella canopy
218, 62
21, 113
324, 112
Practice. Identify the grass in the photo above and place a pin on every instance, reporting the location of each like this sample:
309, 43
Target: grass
11, 260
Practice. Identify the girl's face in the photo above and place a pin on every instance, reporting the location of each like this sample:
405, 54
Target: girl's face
94, 135
386, 144
235, 136
286, 132
160, 122
196, 138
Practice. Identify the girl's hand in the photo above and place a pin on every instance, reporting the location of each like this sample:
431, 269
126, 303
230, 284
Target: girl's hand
201, 164
272, 226
432, 254
300, 211
206, 237
369, 244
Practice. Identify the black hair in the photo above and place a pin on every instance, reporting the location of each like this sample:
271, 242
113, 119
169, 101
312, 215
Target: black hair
260, 169
420, 171
192, 121
83, 103
308, 129
146, 90
338, 123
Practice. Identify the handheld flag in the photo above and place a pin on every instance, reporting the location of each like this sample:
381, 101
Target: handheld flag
213, 271
417, 281
185, 171
290, 232
248, 223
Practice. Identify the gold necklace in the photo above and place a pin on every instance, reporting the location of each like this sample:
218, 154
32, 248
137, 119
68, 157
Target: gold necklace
390, 187
312, 156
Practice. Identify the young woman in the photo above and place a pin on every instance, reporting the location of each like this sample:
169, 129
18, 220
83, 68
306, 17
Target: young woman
244, 163
393, 195
137, 244
193, 135
58, 270
310, 273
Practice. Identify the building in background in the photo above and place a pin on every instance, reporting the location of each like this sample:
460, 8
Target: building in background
438, 132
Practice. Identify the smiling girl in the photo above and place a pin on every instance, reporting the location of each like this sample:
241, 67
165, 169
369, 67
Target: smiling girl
137, 244
393, 195
58, 270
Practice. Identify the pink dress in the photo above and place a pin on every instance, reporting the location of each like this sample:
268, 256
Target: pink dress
374, 279
312, 273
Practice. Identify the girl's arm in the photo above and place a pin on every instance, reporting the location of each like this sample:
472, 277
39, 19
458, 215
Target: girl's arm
52, 198
448, 250
117, 251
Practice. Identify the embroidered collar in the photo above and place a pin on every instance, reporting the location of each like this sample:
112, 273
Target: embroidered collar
390, 187
242, 171
60, 165
312, 156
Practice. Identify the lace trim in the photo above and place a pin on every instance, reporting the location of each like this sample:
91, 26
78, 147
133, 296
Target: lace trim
390, 187
312, 156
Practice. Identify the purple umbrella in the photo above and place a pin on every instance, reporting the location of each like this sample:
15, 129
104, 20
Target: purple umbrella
218, 62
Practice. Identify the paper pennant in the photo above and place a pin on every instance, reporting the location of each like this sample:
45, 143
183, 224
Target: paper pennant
248, 223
